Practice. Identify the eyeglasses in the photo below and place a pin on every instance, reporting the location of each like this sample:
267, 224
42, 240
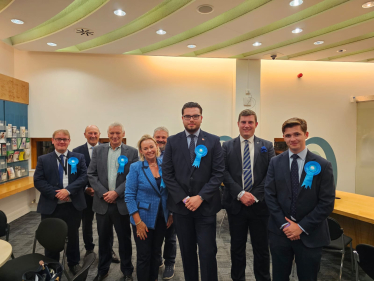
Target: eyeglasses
188, 117
62, 140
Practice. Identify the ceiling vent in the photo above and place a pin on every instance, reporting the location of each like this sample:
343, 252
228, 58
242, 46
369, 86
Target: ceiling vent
84, 31
205, 9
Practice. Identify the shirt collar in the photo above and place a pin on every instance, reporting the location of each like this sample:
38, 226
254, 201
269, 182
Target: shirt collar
65, 153
301, 154
89, 146
250, 139
196, 133
116, 147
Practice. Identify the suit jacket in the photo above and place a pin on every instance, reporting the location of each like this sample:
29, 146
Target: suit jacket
183, 180
313, 205
47, 181
98, 177
143, 195
234, 171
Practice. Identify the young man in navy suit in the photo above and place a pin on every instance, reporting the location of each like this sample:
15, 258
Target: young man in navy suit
61, 193
92, 134
194, 196
299, 205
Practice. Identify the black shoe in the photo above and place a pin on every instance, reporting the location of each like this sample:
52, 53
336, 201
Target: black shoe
115, 259
74, 269
168, 272
88, 252
100, 277
128, 278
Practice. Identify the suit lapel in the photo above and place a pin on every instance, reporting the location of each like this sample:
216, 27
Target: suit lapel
184, 145
149, 175
68, 167
286, 169
87, 155
257, 149
54, 164
105, 159
238, 150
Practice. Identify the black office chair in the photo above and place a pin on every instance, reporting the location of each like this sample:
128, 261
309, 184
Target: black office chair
4, 227
52, 235
83, 273
338, 242
364, 256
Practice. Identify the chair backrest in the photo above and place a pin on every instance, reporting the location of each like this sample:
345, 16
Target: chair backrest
334, 228
87, 262
3, 224
366, 258
52, 233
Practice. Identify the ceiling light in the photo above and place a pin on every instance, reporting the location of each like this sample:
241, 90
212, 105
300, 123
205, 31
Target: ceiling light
191, 46
319, 42
205, 9
256, 44
297, 30
368, 5
119, 13
52, 44
341, 51
17, 21
161, 32
296, 3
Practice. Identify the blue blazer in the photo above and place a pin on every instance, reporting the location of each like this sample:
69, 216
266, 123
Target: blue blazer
46, 180
143, 195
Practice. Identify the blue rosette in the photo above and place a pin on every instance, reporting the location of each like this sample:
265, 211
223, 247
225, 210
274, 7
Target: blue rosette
73, 162
200, 152
122, 161
311, 169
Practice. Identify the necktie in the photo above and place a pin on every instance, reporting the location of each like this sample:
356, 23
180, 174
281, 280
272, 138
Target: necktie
91, 149
192, 148
61, 171
294, 183
162, 153
247, 169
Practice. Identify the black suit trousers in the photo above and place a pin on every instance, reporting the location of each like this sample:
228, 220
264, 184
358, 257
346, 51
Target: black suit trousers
239, 225
283, 251
72, 217
196, 230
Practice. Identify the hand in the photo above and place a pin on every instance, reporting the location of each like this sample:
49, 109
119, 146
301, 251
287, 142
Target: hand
62, 194
247, 199
90, 191
170, 221
110, 196
292, 231
141, 230
193, 203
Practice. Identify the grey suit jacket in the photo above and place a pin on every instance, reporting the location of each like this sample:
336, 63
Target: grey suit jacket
98, 177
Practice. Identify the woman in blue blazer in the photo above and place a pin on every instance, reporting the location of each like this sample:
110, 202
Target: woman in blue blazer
146, 197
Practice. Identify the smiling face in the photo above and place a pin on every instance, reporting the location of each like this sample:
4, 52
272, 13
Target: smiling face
61, 142
92, 134
161, 139
247, 126
149, 149
190, 123
115, 135
295, 138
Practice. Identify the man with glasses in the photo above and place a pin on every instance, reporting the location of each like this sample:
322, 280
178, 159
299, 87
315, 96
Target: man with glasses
62, 192
193, 178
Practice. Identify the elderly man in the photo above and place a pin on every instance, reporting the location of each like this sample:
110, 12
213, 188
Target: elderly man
61, 192
170, 247
108, 179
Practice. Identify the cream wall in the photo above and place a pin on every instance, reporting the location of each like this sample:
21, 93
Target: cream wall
6, 59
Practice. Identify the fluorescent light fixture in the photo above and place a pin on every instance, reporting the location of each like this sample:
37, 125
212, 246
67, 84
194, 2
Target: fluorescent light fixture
119, 13
368, 5
319, 42
297, 30
161, 32
296, 3
256, 44
16, 21
191, 46
52, 44
341, 51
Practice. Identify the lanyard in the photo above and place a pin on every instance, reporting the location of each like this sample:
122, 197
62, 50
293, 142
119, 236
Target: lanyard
62, 164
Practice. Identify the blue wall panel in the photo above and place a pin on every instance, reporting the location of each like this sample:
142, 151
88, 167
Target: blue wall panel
2, 113
16, 114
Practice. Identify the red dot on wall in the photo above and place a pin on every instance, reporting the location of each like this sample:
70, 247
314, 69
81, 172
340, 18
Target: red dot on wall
299, 75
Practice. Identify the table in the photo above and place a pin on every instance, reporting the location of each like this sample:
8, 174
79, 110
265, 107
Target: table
5, 252
16, 186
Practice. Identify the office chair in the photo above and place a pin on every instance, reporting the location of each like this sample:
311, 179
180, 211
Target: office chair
4, 227
364, 257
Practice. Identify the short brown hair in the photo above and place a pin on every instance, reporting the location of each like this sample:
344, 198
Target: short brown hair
247, 112
295, 122
65, 132
192, 105
144, 138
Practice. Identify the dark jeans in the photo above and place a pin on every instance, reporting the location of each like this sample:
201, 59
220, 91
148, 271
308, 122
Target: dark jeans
170, 246
148, 251
72, 217
105, 228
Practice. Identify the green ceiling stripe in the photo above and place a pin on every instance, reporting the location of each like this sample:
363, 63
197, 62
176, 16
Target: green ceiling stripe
367, 60
158, 13
302, 15
76, 11
5, 4
220, 20
326, 30
347, 54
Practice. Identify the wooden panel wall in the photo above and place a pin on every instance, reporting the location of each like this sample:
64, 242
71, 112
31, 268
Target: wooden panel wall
12, 89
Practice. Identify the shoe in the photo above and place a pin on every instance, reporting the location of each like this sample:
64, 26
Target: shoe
74, 269
162, 263
128, 278
168, 272
100, 277
88, 252
115, 259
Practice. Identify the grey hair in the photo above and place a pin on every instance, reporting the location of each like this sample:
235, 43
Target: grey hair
116, 124
161, 129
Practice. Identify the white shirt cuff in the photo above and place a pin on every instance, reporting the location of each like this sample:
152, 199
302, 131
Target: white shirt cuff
303, 229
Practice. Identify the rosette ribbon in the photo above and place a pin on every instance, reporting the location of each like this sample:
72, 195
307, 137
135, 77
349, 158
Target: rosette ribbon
73, 163
122, 161
311, 169
200, 152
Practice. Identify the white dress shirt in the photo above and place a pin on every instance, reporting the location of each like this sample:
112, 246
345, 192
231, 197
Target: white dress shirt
65, 178
90, 149
300, 160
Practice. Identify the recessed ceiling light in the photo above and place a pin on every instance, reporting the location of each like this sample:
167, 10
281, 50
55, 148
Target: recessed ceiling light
297, 30
319, 42
119, 13
341, 51
161, 32
256, 44
296, 3
191, 46
205, 9
16, 21
52, 44
368, 5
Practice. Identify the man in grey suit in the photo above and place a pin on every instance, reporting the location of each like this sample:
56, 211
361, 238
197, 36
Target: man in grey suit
108, 181
247, 160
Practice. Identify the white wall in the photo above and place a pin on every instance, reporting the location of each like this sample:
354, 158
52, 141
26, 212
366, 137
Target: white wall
6, 59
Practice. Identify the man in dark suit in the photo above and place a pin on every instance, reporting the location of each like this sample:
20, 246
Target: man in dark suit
298, 207
109, 182
194, 196
92, 134
61, 193
247, 160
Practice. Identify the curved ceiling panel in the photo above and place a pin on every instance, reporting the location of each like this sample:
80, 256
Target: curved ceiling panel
5, 4
356, 56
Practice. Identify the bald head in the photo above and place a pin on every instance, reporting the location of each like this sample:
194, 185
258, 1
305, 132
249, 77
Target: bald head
92, 134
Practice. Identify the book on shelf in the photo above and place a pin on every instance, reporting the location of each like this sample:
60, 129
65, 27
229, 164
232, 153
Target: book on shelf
16, 156
4, 176
21, 155
10, 155
2, 137
27, 154
22, 144
28, 144
3, 149
14, 143
11, 173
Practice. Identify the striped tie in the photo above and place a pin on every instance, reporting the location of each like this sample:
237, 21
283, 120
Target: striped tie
247, 169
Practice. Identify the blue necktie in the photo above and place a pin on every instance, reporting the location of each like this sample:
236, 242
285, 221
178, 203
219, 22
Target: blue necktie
294, 184
61, 171
247, 169
192, 148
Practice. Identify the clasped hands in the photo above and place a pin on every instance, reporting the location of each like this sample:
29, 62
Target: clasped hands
110, 196
292, 230
247, 199
62, 194
192, 203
